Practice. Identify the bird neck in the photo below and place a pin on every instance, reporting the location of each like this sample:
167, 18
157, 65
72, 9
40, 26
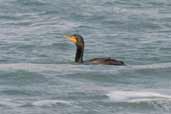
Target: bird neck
79, 54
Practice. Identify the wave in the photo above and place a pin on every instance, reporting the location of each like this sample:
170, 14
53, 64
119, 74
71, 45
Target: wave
151, 66
8, 103
39, 103
34, 67
137, 96
50, 102
82, 68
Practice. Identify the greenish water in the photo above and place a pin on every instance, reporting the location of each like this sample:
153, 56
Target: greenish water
37, 72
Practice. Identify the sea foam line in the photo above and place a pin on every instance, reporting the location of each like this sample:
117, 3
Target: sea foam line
86, 68
136, 96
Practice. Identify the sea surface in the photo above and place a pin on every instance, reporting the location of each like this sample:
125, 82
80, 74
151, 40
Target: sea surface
37, 70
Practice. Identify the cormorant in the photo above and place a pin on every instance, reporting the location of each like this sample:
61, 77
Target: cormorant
79, 42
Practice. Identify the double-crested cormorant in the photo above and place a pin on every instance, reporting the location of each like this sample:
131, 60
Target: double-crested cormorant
79, 42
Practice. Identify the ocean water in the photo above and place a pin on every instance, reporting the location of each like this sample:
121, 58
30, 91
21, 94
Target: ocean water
37, 72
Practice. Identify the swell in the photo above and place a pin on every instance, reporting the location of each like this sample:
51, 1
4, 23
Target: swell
86, 68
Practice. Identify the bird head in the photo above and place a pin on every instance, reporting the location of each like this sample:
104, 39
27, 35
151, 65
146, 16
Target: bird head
76, 39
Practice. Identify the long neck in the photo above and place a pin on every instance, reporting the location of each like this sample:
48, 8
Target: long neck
79, 54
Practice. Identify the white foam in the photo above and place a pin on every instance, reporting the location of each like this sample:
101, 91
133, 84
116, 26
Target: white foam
136, 96
50, 102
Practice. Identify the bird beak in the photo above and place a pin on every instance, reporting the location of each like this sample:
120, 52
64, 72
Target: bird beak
71, 38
